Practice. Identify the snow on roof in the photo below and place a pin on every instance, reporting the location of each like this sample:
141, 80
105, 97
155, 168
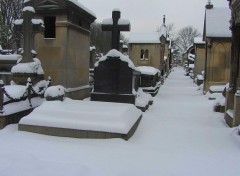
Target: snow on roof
217, 22
163, 31
144, 38
76, 114
147, 70
198, 40
77, 4
82, 7
115, 54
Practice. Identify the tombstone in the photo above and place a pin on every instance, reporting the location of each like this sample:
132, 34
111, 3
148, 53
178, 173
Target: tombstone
113, 79
116, 24
29, 27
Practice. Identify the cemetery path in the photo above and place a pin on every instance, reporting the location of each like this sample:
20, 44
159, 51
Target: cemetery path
179, 135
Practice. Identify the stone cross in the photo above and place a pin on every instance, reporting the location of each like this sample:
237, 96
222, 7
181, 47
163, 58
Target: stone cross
116, 24
29, 27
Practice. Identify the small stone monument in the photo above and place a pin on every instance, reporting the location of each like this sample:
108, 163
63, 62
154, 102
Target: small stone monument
28, 67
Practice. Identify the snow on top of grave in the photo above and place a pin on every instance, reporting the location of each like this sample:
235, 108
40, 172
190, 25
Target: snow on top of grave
109, 21
0, 47
125, 46
83, 7
28, 8
217, 22
76, 114
219, 88
191, 57
54, 91
191, 66
115, 54
11, 57
29, 67
199, 40
147, 70
144, 38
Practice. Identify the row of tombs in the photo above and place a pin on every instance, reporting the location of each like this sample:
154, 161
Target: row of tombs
116, 79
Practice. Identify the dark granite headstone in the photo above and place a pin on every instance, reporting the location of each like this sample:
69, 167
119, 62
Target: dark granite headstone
114, 79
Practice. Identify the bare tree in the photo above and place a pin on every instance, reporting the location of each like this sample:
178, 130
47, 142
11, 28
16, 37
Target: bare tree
10, 10
185, 38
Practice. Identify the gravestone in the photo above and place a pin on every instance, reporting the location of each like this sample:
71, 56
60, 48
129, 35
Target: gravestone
113, 73
114, 79
116, 24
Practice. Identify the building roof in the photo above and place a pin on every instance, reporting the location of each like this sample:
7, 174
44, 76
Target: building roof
59, 4
217, 22
198, 40
152, 38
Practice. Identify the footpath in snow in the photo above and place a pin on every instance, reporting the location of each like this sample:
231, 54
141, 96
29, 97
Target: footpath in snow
179, 135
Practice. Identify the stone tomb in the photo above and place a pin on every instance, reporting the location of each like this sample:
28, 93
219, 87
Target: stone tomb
74, 118
149, 79
114, 79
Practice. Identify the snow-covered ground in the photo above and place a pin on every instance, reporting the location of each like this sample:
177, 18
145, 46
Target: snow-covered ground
179, 135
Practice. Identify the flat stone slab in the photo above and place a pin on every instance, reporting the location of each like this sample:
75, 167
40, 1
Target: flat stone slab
83, 119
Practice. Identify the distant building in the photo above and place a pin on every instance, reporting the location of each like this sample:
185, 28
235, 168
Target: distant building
218, 37
148, 49
199, 64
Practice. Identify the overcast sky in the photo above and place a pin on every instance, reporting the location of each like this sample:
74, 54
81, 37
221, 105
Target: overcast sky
146, 15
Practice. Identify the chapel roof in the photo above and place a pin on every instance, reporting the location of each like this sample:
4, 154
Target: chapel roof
150, 38
217, 22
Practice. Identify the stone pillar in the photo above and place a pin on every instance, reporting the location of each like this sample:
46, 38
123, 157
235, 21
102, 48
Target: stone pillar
236, 116
1, 96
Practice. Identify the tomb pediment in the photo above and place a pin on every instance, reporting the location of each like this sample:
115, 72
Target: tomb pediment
48, 4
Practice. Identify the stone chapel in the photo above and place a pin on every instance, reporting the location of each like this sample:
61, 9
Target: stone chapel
64, 47
217, 36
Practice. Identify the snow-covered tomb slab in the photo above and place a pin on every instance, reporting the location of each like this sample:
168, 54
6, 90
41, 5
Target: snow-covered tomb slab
83, 119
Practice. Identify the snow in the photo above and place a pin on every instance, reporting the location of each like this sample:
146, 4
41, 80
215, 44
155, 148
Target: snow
220, 100
11, 57
18, 22
37, 21
75, 114
179, 135
109, 21
83, 7
217, 88
191, 66
143, 98
123, 22
152, 38
147, 70
200, 77
198, 40
29, 9
217, 22
30, 67
54, 91
92, 48
114, 54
